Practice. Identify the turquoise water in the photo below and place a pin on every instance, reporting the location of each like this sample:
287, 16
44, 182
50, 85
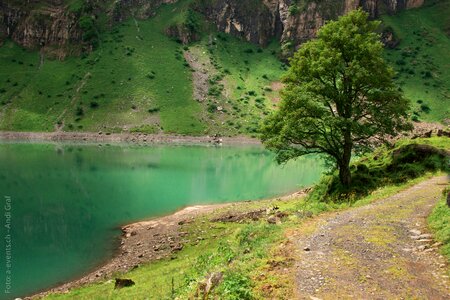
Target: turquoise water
67, 201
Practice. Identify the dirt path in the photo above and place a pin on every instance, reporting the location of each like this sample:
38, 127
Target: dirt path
378, 251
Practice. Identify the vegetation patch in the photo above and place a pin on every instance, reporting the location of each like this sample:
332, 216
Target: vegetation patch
439, 222
386, 166
421, 58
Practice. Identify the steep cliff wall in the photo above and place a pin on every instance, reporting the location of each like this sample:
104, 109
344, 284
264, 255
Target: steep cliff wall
40, 24
291, 21
67, 26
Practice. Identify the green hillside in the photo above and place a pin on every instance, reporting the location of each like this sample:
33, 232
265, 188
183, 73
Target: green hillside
138, 80
422, 59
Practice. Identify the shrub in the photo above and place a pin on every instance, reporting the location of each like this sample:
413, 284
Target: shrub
153, 110
425, 108
212, 107
79, 111
93, 104
236, 286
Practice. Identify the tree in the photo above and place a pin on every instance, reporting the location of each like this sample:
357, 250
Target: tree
339, 93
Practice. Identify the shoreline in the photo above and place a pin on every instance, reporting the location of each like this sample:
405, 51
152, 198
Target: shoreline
151, 240
129, 138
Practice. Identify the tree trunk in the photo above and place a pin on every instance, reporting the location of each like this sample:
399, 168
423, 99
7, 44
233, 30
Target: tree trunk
345, 175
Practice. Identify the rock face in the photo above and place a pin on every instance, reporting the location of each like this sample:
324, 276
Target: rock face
289, 21
54, 25
34, 25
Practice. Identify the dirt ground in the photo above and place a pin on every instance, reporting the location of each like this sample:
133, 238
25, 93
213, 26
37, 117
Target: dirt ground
378, 251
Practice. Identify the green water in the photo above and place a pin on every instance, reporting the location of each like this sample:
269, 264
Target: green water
67, 202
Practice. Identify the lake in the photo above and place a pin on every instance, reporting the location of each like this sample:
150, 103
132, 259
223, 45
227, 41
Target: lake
63, 204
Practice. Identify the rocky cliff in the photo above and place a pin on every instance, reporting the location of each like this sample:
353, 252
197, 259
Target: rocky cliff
64, 26
43, 24
290, 21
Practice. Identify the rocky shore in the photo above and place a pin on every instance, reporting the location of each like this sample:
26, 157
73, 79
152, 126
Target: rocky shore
134, 138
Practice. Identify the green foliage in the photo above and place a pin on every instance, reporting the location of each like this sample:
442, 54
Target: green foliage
236, 286
339, 93
293, 9
192, 21
439, 222
385, 166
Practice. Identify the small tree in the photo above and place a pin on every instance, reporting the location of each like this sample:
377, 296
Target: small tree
339, 92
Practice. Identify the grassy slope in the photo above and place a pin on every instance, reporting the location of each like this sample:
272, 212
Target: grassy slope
135, 68
439, 222
251, 254
113, 88
422, 59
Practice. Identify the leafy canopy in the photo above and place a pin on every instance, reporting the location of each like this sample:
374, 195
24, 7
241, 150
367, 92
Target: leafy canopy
338, 93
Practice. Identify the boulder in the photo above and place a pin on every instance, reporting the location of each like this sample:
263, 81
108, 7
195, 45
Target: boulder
121, 283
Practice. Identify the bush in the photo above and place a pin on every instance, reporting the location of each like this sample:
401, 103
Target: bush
425, 108
93, 104
79, 111
153, 110
236, 286
212, 108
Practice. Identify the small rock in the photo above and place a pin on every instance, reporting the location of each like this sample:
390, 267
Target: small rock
178, 247
424, 240
306, 249
425, 236
415, 231
422, 247
273, 220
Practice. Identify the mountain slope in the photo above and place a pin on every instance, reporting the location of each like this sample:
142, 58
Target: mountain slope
137, 79
422, 59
